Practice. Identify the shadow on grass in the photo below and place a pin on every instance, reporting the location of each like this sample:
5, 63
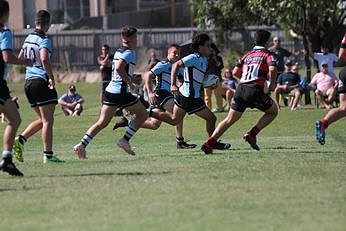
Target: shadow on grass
8, 189
111, 174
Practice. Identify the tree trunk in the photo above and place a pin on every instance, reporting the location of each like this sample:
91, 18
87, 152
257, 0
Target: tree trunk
308, 69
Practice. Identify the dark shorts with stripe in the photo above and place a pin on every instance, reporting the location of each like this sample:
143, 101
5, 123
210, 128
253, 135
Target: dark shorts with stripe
252, 96
342, 81
104, 84
4, 92
163, 97
190, 105
38, 93
119, 100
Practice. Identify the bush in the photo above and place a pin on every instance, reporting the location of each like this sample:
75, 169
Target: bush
18, 69
231, 56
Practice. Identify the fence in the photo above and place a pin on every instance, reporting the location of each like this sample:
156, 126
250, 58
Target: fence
79, 49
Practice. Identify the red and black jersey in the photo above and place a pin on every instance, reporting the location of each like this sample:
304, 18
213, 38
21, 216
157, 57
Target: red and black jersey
255, 65
343, 42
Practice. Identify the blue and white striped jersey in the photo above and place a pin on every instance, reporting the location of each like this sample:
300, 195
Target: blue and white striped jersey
117, 85
162, 71
33, 43
5, 44
194, 72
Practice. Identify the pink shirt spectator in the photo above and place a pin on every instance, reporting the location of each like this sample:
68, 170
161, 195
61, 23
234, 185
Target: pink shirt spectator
323, 81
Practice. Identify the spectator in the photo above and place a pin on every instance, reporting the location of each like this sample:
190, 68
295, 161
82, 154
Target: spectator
326, 57
288, 82
303, 85
105, 62
280, 53
71, 102
215, 66
228, 87
326, 86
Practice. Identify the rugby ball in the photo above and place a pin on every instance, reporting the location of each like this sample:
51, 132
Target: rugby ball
210, 81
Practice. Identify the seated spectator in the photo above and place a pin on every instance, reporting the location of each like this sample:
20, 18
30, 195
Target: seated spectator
71, 102
303, 85
326, 86
228, 86
288, 82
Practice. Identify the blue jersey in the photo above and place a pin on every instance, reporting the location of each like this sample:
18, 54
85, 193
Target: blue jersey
162, 71
117, 85
5, 44
194, 72
33, 43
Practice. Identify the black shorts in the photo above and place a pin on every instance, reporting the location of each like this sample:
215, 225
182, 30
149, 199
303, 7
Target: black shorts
104, 84
4, 92
38, 93
342, 81
249, 95
119, 100
163, 97
190, 105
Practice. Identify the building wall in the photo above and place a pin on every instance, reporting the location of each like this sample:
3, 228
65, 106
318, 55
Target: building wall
16, 19
41, 4
23, 11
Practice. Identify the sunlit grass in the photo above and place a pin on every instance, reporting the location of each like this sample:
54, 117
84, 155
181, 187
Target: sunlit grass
293, 183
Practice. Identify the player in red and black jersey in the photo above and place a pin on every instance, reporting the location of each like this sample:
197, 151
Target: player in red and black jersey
254, 70
342, 51
336, 113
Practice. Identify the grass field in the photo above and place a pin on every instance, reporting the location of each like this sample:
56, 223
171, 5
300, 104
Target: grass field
293, 183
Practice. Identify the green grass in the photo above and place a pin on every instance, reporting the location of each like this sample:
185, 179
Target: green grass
293, 183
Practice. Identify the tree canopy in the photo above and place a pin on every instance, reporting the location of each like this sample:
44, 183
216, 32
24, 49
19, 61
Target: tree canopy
313, 21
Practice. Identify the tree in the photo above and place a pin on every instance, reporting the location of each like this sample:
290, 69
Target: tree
314, 22
223, 16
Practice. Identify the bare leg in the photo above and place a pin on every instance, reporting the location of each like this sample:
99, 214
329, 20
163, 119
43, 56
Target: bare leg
337, 113
47, 117
268, 117
151, 123
232, 117
209, 118
106, 115
168, 106
295, 99
320, 98
277, 96
11, 113
172, 119
207, 97
77, 110
66, 111
331, 95
140, 114
34, 126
